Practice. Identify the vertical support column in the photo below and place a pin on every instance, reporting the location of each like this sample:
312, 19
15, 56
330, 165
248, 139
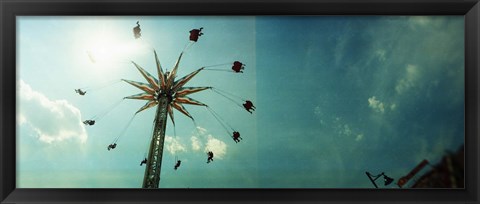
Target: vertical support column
154, 160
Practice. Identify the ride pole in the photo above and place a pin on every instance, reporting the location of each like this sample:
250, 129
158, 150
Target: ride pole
154, 160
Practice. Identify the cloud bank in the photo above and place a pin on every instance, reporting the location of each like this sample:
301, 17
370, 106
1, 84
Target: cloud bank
412, 74
173, 145
376, 105
52, 120
208, 142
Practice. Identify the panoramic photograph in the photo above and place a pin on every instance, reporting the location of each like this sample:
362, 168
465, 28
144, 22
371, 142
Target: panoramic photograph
240, 102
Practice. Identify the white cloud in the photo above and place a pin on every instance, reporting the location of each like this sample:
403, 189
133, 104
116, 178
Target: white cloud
342, 43
359, 137
376, 105
218, 147
21, 119
427, 22
52, 120
420, 20
196, 144
346, 130
173, 145
380, 53
209, 143
201, 130
319, 113
393, 106
317, 110
409, 81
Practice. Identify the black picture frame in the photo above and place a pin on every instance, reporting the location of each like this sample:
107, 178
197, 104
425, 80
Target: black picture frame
9, 9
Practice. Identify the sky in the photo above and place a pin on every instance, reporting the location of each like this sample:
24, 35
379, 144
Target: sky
335, 96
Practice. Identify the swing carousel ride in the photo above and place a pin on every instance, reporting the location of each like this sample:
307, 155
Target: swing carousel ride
167, 94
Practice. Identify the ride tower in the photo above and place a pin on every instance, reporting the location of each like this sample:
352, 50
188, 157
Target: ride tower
154, 160
167, 94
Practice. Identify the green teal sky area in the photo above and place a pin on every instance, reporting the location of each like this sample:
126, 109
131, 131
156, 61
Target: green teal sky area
335, 96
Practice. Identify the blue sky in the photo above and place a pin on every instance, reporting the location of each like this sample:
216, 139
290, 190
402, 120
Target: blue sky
336, 96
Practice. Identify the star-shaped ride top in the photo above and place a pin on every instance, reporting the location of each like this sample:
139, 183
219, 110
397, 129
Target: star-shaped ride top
166, 86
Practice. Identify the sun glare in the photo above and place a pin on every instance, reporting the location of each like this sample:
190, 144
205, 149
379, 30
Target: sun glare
106, 48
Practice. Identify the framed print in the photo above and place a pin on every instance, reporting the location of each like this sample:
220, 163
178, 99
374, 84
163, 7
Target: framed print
182, 102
